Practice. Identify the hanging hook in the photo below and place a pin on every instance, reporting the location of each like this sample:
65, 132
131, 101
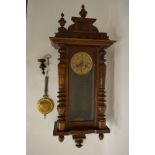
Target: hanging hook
47, 57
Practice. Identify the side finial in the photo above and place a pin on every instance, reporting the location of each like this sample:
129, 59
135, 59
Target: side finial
62, 23
83, 12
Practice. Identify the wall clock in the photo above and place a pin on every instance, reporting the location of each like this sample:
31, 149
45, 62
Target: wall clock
81, 72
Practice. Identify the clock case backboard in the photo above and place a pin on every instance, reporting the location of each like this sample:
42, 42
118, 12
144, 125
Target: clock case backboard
81, 36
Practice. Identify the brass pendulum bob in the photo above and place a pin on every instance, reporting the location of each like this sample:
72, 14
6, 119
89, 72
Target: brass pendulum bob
45, 105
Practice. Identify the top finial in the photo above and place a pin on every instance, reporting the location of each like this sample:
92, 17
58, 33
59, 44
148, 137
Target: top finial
83, 12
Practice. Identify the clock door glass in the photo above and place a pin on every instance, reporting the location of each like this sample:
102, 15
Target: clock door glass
81, 90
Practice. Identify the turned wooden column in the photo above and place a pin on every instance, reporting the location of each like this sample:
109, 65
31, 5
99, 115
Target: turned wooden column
62, 91
101, 89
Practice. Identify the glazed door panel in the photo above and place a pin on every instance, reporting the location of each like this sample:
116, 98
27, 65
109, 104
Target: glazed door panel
81, 98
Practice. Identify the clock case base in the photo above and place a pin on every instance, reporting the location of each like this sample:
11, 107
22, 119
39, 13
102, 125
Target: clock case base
80, 134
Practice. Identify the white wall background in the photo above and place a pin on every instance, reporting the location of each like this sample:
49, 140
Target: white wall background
42, 17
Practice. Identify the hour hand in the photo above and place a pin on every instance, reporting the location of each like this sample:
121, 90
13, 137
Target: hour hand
86, 66
77, 65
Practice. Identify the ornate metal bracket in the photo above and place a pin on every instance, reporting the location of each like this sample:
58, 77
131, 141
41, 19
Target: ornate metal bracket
42, 65
44, 62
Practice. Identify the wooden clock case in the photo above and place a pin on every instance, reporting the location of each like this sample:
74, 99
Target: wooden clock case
82, 35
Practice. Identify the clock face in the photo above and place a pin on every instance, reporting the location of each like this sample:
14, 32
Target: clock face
81, 63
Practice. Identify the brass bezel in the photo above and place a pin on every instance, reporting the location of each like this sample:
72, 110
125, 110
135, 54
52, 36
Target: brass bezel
73, 60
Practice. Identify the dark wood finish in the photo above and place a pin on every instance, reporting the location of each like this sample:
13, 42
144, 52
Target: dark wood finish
79, 139
82, 35
58, 42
